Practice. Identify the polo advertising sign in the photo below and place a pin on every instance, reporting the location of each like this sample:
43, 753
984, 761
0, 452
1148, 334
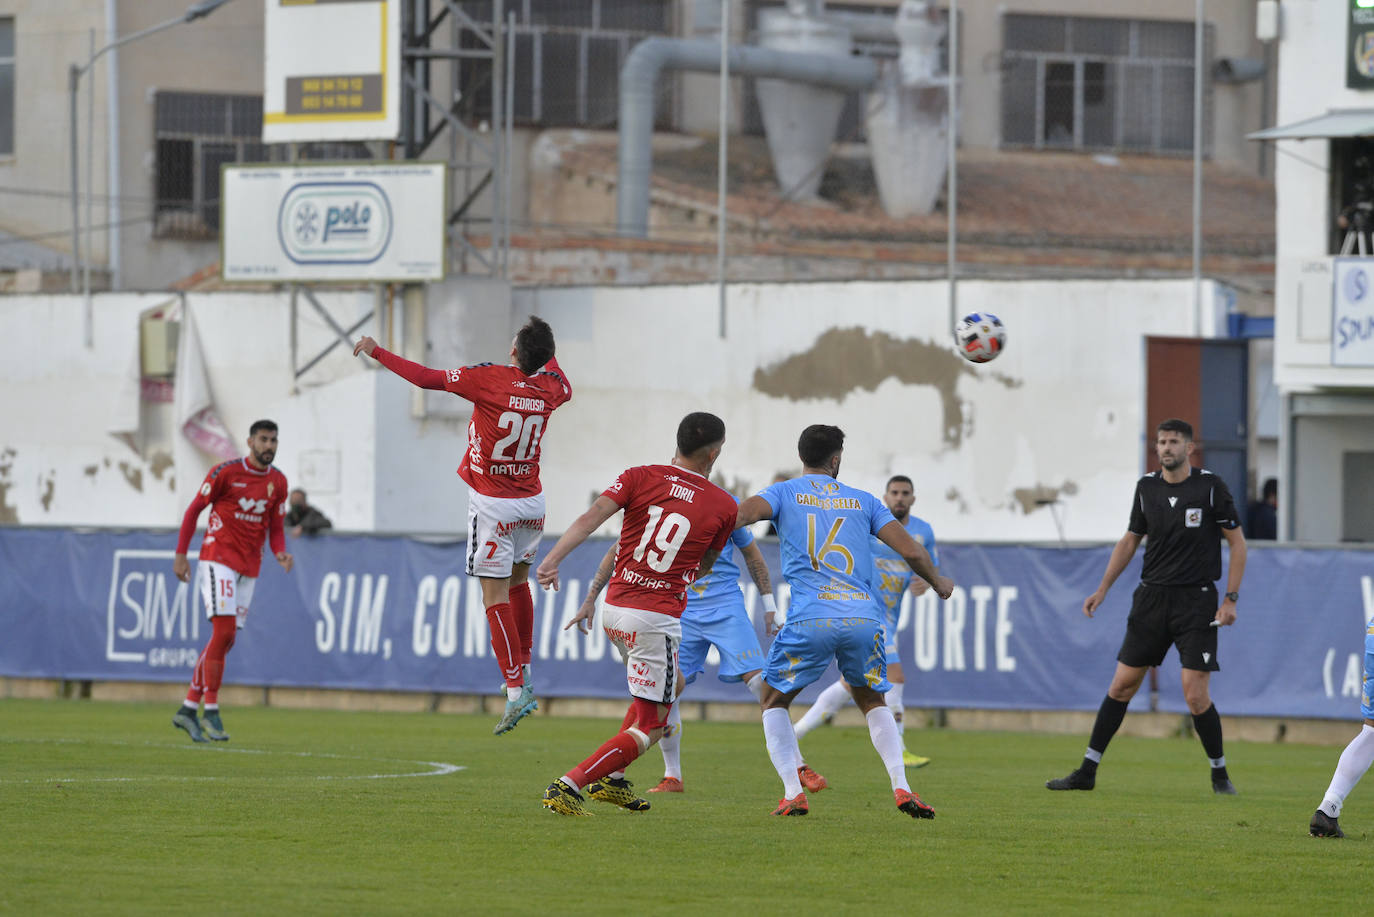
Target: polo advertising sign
382, 222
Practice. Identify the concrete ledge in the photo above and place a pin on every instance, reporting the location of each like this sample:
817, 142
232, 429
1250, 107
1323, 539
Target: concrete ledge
1148, 725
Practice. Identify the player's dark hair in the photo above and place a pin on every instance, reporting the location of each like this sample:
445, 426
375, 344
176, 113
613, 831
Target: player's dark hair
269, 425
698, 431
1271, 488
1174, 425
818, 443
534, 344
900, 479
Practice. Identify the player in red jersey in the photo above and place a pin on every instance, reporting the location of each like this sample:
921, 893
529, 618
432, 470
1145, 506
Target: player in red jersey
247, 500
676, 523
511, 405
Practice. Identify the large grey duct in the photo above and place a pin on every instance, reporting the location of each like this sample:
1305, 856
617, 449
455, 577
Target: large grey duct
638, 90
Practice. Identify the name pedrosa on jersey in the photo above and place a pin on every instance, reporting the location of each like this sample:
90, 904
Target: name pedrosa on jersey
527, 404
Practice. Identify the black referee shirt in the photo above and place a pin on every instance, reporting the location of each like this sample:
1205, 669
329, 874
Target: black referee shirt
1182, 527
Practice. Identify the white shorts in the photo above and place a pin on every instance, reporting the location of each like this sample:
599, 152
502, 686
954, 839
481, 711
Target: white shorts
502, 532
224, 591
648, 641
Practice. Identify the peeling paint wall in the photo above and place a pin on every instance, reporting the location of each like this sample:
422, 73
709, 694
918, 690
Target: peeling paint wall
1046, 437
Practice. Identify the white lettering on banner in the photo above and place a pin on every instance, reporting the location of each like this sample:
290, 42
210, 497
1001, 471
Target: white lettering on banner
956, 611
476, 632
364, 617
1352, 683
421, 633
151, 609
949, 654
450, 597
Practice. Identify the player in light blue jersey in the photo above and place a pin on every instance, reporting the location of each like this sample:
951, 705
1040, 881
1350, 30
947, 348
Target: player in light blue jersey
892, 578
824, 527
715, 615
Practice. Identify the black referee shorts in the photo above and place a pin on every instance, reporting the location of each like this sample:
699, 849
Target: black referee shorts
1171, 615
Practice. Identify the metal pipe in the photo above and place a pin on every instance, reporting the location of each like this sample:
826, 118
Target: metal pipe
952, 195
113, 180
510, 138
639, 79
722, 157
89, 247
1198, 49
73, 80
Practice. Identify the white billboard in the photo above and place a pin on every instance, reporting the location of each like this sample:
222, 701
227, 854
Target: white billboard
1352, 312
332, 70
361, 222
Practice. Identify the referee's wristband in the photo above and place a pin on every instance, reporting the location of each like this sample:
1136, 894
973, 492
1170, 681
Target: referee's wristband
770, 606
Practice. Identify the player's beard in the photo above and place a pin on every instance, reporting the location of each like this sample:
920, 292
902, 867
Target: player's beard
265, 457
1174, 463
901, 516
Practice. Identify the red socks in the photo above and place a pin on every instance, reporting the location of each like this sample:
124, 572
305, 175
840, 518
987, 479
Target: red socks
522, 604
209, 671
505, 643
615, 755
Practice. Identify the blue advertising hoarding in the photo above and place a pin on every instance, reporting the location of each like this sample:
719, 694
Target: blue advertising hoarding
393, 613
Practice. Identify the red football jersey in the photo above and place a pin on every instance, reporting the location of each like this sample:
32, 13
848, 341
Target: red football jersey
244, 503
672, 517
510, 412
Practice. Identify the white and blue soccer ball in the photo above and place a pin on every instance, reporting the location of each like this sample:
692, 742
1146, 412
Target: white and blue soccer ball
980, 337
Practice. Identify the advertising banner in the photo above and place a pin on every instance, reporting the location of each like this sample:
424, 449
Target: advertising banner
332, 70
391, 613
356, 222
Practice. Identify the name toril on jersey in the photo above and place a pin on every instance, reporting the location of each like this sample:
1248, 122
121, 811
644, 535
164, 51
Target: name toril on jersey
672, 518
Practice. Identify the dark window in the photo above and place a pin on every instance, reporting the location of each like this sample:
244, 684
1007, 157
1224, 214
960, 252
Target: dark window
1098, 84
195, 135
6, 86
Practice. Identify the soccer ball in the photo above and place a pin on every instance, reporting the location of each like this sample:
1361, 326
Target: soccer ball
980, 337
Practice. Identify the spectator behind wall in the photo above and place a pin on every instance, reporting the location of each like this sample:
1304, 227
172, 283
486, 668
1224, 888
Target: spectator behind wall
304, 519
1264, 514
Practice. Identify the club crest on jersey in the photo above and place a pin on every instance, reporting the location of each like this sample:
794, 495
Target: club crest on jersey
1193, 518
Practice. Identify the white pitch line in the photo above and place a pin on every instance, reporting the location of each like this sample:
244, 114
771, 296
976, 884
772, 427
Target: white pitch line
436, 768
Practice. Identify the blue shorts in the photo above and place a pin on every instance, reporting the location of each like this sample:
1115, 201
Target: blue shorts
1366, 701
728, 627
801, 653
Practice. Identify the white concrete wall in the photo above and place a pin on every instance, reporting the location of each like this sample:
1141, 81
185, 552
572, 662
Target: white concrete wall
1059, 414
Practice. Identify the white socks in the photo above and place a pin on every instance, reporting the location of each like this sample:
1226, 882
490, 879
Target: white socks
671, 743
894, 702
882, 729
783, 750
756, 686
1355, 760
828, 704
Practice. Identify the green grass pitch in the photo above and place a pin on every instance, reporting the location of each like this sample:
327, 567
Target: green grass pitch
106, 809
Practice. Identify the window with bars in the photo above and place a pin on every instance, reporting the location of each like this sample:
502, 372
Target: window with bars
7, 86
568, 57
1083, 83
195, 134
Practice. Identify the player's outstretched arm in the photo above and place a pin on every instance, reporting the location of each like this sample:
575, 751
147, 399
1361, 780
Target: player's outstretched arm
917, 557
758, 572
752, 510
603, 509
1121, 556
585, 614
1235, 570
414, 373
180, 565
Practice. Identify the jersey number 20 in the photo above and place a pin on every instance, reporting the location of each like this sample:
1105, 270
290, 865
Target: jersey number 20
524, 435
667, 534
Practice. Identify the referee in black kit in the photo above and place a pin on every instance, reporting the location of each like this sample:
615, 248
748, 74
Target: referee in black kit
1181, 512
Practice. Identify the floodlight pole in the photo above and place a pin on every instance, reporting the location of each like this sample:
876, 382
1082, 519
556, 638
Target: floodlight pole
74, 73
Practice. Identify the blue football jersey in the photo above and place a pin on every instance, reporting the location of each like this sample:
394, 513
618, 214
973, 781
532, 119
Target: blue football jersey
891, 574
825, 529
721, 585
